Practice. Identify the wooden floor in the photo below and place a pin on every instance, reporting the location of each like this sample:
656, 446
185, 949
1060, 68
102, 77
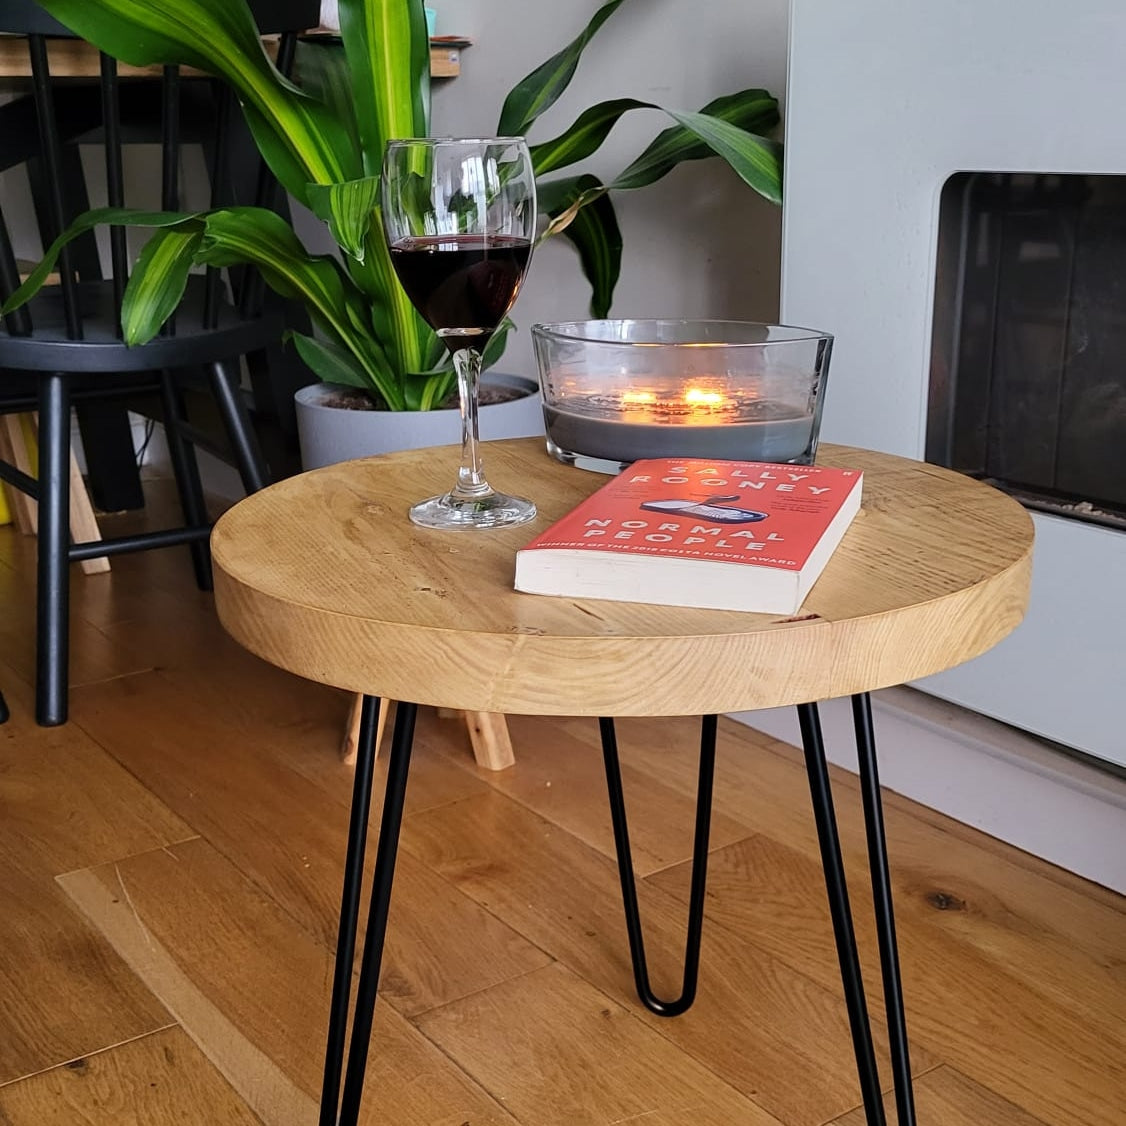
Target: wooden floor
172, 864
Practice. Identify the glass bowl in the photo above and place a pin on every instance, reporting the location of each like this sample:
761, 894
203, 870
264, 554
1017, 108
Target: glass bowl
618, 390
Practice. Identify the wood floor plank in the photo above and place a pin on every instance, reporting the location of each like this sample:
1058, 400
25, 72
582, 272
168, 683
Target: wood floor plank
1015, 975
564, 780
260, 808
1047, 923
763, 1027
252, 991
557, 1052
63, 991
66, 802
946, 1098
158, 1080
984, 1018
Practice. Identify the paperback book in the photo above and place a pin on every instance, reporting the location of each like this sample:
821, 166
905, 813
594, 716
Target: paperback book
721, 535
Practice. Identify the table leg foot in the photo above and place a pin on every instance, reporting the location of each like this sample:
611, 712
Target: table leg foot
337, 1110
676, 1006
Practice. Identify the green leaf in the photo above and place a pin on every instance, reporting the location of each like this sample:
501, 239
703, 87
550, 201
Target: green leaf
754, 111
347, 209
102, 216
220, 37
593, 231
330, 361
497, 343
539, 90
323, 70
158, 281
388, 51
582, 138
264, 239
427, 391
756, 160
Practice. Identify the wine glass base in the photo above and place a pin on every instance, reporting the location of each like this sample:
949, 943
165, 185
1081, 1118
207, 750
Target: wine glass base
493, 510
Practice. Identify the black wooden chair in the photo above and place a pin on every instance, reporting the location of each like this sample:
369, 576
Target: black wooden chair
64, 348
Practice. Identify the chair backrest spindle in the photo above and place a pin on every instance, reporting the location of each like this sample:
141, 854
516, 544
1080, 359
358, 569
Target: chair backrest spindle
115, 179
266, 192
19, 322
51, 155
220, 190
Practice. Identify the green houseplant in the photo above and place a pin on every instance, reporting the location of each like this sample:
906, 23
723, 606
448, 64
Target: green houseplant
323, 137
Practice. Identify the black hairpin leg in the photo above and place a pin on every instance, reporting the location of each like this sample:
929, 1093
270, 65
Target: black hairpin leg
847, 952
881, 896
699, 869
357, 1045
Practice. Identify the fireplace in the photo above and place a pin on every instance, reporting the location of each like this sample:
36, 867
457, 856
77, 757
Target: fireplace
1000, 348
1028, 350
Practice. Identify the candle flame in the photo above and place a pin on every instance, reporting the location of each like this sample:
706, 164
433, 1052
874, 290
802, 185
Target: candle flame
696, 396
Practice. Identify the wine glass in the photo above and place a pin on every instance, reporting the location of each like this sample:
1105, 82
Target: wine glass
459, 216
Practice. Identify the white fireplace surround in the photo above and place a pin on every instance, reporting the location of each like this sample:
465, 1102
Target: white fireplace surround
887, 99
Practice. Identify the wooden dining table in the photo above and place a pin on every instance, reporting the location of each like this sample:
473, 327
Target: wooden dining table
75, 58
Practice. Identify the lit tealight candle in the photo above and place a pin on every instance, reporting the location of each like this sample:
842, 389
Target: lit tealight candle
697, 397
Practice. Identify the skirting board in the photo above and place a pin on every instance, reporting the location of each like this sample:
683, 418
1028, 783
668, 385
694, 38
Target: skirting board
982, 773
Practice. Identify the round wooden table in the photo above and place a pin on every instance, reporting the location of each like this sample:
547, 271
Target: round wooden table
324, 575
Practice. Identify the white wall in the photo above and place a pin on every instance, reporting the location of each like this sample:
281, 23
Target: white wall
699, 242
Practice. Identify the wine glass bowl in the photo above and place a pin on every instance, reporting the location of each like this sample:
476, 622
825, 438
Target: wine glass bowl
459, 218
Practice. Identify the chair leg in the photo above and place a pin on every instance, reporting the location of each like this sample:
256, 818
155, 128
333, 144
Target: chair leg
240, 430
19, 435
53, 565
186, 471
488, 736
491, 742
13, 449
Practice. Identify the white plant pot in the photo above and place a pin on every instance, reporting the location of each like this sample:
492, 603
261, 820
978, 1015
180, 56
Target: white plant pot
329, 434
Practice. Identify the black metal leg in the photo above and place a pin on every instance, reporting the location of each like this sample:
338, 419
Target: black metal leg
372, 957
885, 920
847, 954
349, 909
52, 637
186, 471
655, 1004
240, 430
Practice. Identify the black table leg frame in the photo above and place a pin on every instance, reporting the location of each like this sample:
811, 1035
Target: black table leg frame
649, 999
347, 1057
833, 865
337, 1110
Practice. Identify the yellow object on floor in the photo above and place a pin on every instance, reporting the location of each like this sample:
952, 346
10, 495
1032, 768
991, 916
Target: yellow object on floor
5, 511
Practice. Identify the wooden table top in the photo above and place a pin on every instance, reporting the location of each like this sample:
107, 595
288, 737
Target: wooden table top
324, 575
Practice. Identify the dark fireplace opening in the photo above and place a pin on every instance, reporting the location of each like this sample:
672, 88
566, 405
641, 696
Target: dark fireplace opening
1028, 357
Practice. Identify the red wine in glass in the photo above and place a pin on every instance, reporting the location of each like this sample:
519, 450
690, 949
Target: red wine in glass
459, 216
462, 282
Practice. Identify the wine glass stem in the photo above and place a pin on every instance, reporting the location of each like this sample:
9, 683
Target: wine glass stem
471, 483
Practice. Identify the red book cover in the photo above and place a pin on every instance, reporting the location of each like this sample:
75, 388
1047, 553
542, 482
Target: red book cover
727, 535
